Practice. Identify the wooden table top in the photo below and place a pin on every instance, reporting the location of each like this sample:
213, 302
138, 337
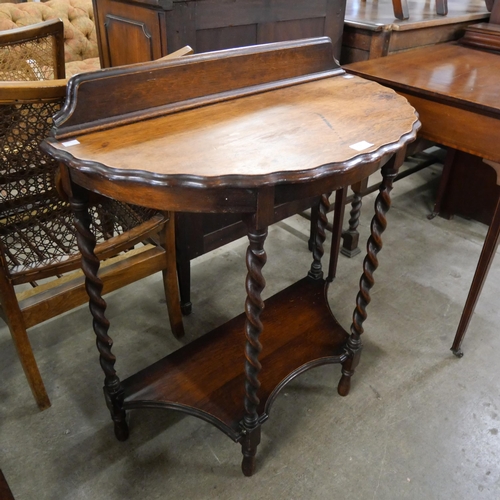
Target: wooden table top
460, 75
295, 133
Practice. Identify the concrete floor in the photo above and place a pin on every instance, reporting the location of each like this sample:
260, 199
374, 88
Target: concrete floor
418, 424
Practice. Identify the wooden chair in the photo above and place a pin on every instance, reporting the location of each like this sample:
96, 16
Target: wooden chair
37, 235
402, 12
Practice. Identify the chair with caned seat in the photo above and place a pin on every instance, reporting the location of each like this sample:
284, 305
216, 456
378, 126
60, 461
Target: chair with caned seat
37, 236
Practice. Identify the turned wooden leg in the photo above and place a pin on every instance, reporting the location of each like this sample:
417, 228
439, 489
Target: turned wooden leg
316, 271
113, 391
255, 283
487, 254
249, 449
15, 322
170, 282
370, 264
313, 224
350, 245
349, 367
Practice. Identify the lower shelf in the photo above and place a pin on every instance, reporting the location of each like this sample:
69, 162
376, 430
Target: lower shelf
206, 377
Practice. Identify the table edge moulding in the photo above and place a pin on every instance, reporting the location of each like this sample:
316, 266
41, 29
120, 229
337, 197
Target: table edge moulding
150, 140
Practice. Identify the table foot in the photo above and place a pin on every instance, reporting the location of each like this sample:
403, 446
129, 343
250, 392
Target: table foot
121, 430
248, 465
457, 352
186, 308
348, 369
350, 253
345, 383
249, 449
114, 402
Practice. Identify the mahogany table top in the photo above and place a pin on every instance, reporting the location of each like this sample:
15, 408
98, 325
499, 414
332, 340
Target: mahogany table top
451, 72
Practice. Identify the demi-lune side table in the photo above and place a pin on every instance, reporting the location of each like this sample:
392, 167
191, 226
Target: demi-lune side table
238, 131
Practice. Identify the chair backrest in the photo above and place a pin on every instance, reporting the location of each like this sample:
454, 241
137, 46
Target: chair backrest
29, 190
34, 52
30, 59
27, 176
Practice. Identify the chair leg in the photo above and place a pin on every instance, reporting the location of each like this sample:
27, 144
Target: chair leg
400, 8
441, 7
15, 322
170, 281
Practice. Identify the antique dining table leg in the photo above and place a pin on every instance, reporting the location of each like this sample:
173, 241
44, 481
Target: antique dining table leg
255, 260
486, 258
113, 391
370, 264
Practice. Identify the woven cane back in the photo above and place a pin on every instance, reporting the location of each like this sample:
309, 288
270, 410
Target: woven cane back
36, 225
27, 61
33, 52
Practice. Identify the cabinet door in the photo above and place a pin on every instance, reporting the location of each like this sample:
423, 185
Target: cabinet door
129, 33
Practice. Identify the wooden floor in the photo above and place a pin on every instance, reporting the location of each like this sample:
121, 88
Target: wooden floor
371, 30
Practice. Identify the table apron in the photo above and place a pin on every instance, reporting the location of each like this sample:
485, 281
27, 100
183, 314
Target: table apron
458, 128
217, 199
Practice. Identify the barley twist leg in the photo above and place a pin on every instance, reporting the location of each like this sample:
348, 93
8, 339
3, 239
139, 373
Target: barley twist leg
113, 391
350, 246
255, 283
319, 238
370, 264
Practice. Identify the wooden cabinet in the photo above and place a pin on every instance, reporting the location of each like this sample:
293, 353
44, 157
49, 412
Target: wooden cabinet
129, 32
142, 30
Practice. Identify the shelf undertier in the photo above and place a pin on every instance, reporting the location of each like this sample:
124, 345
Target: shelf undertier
206, 377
